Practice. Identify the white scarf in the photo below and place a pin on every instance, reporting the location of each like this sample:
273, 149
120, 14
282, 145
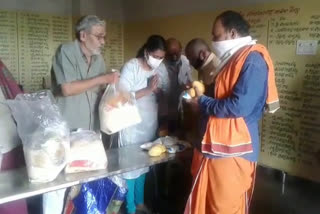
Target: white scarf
226, 49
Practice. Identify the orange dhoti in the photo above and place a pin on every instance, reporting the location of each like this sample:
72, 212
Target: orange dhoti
220, 186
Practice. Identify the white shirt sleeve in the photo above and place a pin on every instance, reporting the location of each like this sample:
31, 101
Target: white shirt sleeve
126, 81
185, 73
163, 77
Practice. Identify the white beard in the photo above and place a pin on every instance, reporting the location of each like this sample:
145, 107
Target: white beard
96, 51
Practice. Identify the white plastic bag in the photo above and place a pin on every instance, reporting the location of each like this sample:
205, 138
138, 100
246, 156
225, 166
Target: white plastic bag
44, 134
86, 153
52, 202
117, 110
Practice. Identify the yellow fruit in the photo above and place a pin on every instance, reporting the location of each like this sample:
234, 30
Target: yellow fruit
164, 149
157, 150
199, 86
192, 92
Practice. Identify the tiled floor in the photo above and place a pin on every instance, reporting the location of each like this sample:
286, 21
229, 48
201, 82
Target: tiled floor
300, 196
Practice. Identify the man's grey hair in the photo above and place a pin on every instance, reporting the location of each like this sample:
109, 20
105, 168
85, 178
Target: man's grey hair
86, 23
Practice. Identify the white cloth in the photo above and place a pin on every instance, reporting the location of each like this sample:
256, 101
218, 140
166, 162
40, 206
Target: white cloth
220, 48
238, 44
133, 78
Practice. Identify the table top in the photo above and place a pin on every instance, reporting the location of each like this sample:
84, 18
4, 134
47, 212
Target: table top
14, 184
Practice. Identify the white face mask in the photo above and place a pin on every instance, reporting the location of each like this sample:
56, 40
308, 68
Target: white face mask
153, 62
222, 47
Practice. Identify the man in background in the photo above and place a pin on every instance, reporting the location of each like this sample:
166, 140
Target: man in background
179, 73
205, 62
172, 177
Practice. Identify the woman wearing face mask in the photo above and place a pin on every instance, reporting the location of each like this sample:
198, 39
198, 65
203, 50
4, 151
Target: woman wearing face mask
139, 76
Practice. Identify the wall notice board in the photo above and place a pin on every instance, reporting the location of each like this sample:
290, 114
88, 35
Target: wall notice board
291, 137
28, 42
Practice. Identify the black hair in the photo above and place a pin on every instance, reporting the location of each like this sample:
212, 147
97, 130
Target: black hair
234, 20
154, 42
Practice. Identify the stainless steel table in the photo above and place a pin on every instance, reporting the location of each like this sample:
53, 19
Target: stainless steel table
14, 184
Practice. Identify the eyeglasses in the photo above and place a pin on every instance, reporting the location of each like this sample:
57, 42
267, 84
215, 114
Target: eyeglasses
99, 37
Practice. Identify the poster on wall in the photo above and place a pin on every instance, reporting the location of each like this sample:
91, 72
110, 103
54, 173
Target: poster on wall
290, 137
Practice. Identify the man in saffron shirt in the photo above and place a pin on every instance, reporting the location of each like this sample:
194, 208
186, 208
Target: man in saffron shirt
224, 167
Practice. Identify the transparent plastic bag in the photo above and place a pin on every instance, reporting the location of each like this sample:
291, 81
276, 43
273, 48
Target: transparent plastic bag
119, 196
1, 156
44, 134
86, 152
117, 110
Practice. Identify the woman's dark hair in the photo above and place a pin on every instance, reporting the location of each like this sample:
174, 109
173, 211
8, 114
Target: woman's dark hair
233, 20
154, 42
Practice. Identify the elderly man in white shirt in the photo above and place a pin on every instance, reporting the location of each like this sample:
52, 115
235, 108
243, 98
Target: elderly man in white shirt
180, 76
